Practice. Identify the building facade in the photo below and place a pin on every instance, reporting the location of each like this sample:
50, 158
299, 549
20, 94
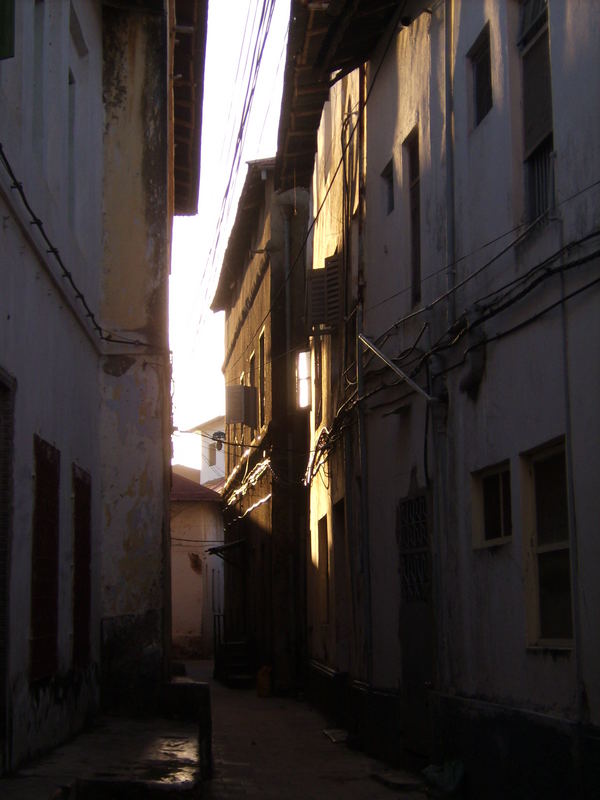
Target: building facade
452, 544
261, 291
88, 187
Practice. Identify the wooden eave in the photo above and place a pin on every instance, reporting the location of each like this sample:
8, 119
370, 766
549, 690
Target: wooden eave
237, 254
188, 84
325, 39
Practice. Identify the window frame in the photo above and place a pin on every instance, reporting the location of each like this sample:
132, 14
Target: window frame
478, 478
481, 54
535, 549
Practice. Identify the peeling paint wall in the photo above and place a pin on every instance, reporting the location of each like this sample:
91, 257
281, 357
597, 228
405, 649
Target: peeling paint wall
135, 415
47, 347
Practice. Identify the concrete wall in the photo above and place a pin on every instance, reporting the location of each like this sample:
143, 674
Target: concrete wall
48, 346
196, 576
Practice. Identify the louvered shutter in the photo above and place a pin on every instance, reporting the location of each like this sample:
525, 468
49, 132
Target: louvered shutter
325, 296
537, 94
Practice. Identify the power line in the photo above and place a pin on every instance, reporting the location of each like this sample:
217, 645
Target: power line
103, 334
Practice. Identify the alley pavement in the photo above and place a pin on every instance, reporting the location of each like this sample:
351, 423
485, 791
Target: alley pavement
277, 749
271, 748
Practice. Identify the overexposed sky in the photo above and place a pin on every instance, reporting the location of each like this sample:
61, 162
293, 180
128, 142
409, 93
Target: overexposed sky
196, 334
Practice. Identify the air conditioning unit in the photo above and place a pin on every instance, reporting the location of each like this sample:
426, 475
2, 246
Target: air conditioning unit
240, 405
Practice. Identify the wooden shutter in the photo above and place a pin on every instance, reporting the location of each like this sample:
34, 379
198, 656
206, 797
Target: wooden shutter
325, 296
240, 404
537, 93
44, 561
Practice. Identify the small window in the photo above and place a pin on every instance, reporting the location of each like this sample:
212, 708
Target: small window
387, 176
44, 562
303, 393
212, 454
537, 110
481, 72
492, 515
412, 173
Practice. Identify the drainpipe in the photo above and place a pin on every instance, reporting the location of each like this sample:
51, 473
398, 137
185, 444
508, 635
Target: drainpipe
450, 205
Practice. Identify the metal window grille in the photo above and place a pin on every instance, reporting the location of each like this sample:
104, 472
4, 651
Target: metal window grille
414, 548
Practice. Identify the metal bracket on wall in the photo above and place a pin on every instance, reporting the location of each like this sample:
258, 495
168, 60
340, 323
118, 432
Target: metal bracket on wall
369, 345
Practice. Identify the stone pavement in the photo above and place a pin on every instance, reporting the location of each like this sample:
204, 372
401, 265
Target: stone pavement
275, 748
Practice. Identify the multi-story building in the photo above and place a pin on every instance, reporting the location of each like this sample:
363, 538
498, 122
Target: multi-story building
261, 290
89, 181
453, 545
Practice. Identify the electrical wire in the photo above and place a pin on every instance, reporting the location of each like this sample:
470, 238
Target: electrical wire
102, 333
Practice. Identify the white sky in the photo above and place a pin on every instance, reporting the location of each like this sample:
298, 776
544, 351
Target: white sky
196, 334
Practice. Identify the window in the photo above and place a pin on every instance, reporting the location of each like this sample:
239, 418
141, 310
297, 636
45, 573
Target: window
481, 72
387, 176
252, 379
318, 383
7, 28
44, 561
82, 556
492, 516
323, 572
303, 395
537, 108
261, 380
547, 520
552, 545
212, 454
411, 152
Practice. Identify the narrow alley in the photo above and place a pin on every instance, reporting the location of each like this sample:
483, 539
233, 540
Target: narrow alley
274, 747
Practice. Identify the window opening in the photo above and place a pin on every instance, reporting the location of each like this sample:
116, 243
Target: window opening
44, 561
411, 150
481, 71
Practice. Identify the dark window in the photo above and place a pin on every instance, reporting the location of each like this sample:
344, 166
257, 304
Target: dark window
7, 28
552, 546
411, 150
497, 518
261, 380
323, 572
44, 561
387, 177
252, 378
481, 69
318, 386
537, 113
82, 580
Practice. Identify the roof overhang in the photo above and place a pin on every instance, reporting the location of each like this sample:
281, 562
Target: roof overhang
188, 89
237, 254
326, 41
